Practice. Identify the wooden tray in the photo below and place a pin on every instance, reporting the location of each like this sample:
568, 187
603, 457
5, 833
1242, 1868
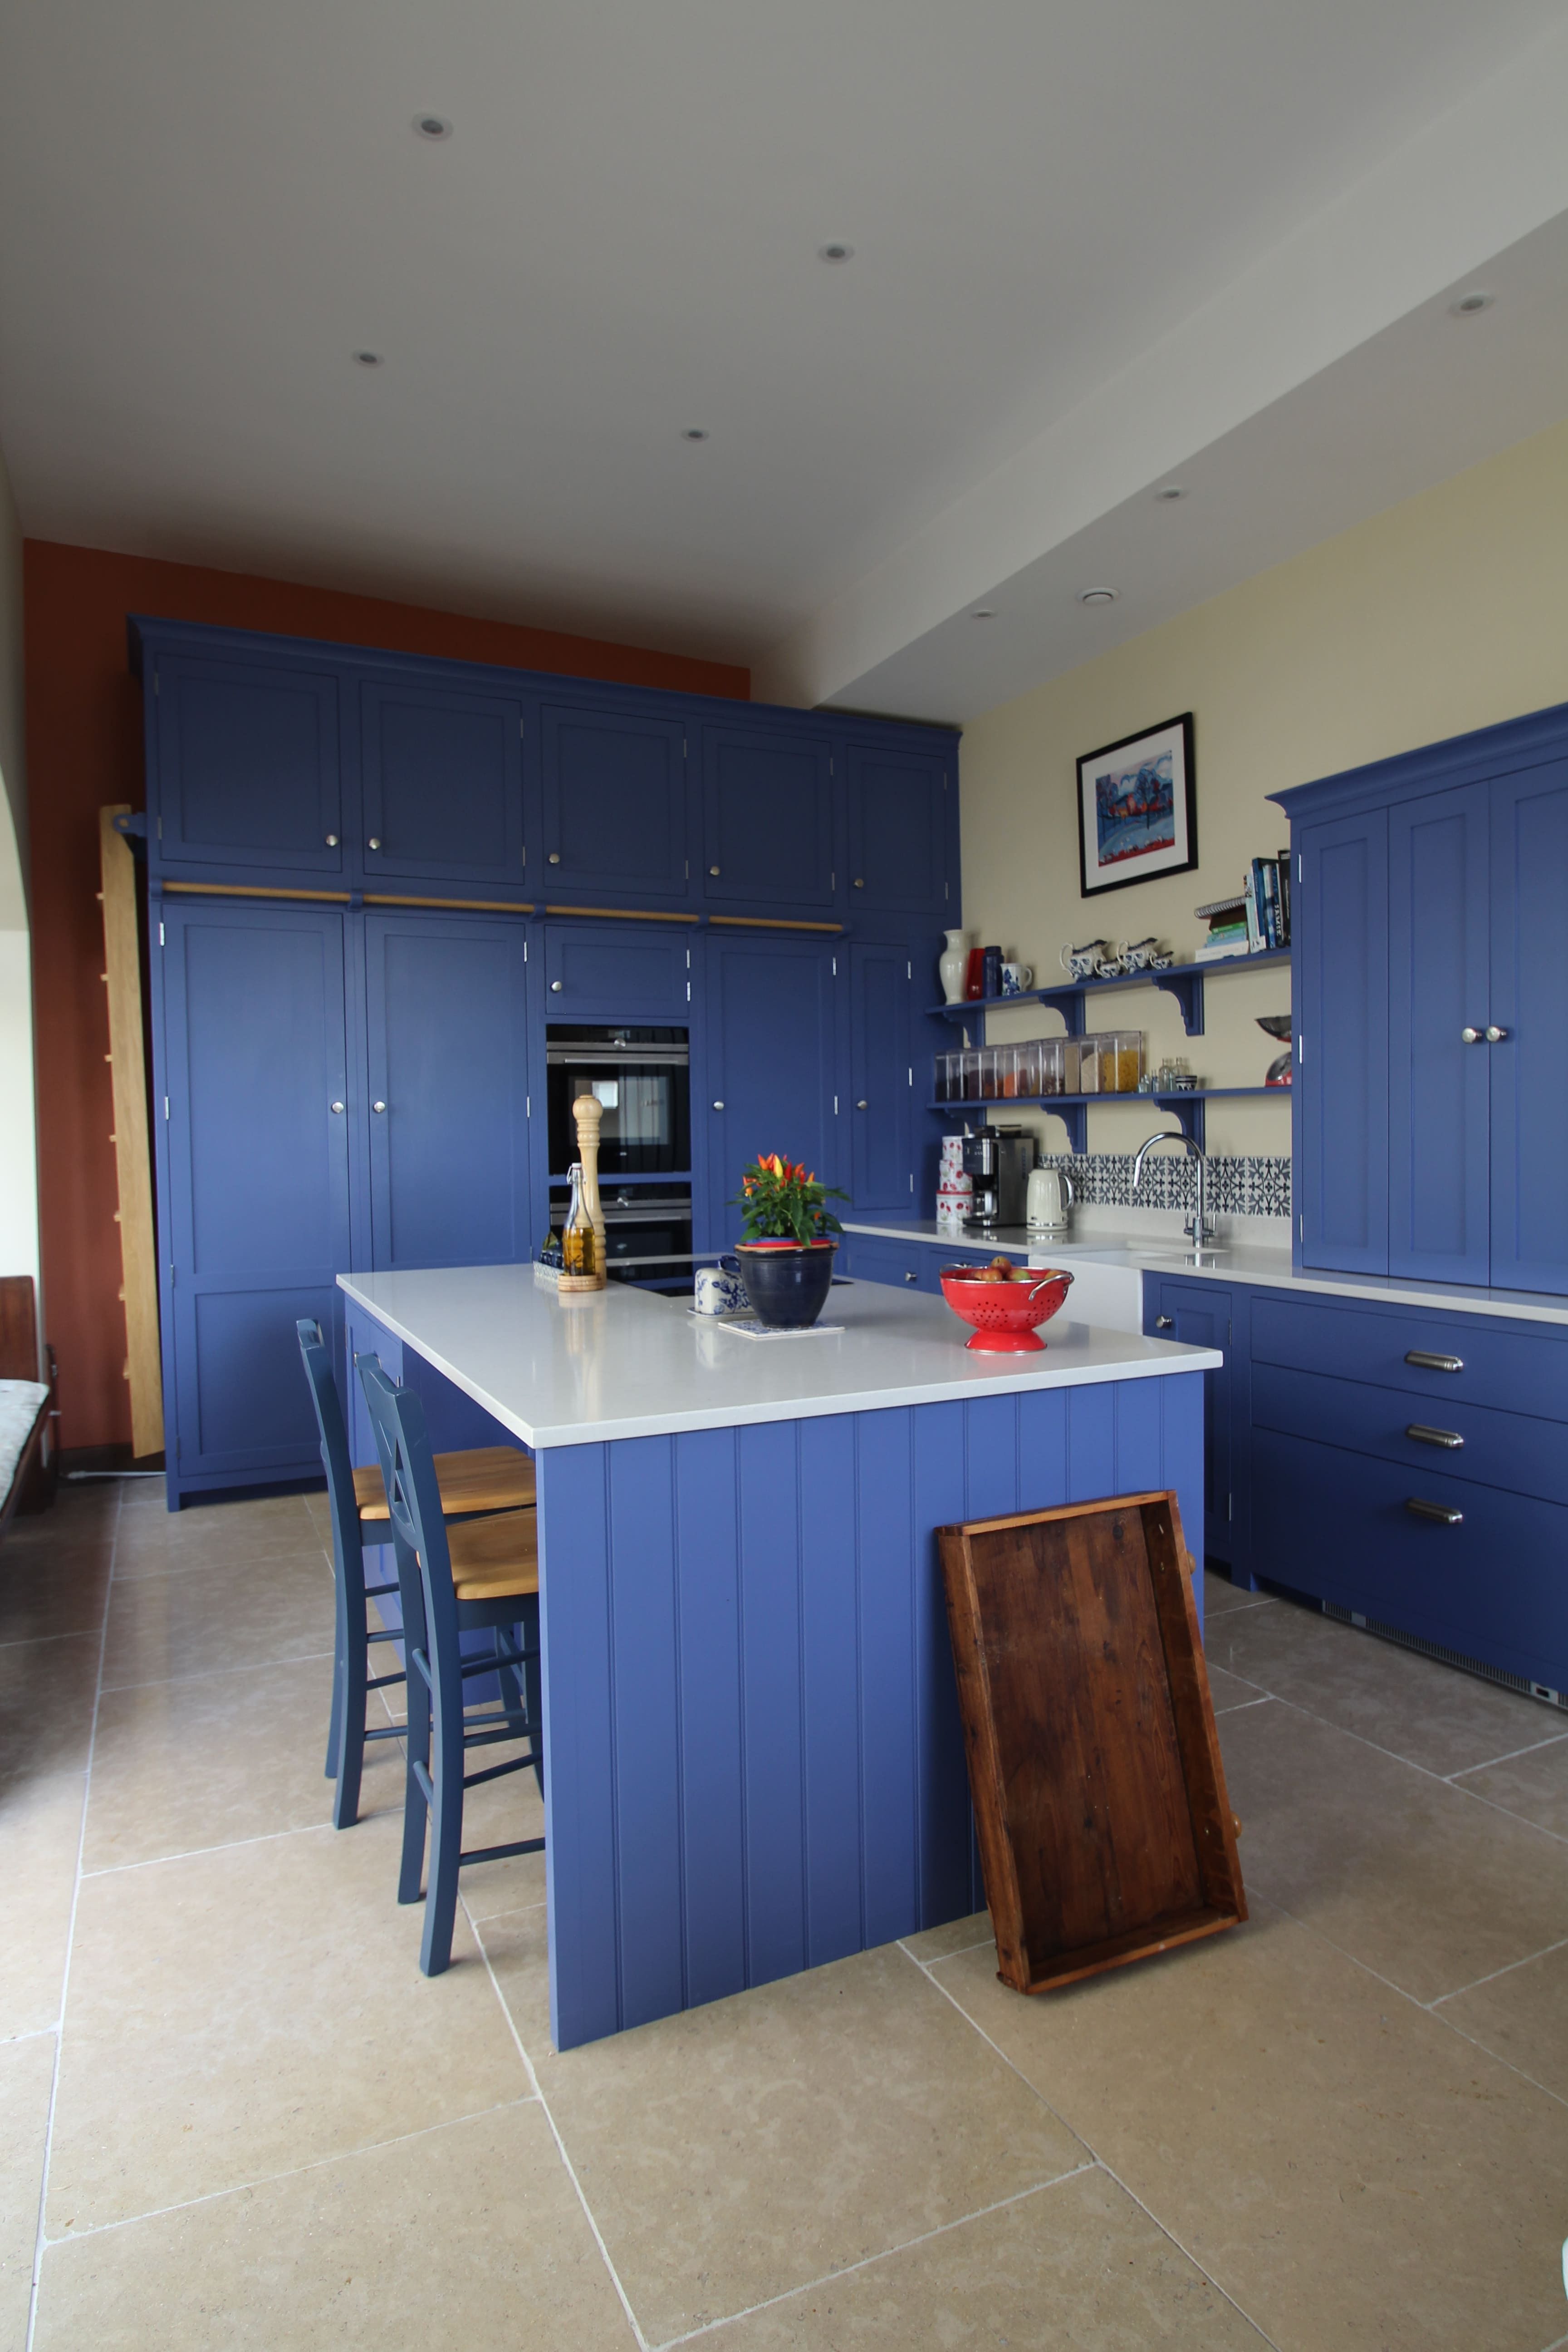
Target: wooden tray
1105, 1830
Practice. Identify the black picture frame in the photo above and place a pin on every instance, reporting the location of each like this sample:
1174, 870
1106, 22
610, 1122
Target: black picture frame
1140, 758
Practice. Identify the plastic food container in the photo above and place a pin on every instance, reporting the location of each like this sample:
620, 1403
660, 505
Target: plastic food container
1121, 1061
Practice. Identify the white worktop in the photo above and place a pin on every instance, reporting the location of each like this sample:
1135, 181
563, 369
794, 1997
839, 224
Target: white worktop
1223, 1261
628, 1363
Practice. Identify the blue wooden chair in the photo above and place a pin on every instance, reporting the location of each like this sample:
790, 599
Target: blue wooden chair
484, 1479
481, 1575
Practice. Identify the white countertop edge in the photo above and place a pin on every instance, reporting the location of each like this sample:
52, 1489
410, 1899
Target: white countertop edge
1169, 1360
1243, 1262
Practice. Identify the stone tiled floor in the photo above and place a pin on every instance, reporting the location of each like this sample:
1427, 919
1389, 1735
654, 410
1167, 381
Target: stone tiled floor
233, 2114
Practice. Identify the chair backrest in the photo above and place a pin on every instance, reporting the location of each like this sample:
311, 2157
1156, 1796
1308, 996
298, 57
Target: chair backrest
412, 1498
334, 1439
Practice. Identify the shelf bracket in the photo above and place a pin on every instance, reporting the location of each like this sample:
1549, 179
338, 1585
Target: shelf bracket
1188, 988
1188, 1111
1068, 1002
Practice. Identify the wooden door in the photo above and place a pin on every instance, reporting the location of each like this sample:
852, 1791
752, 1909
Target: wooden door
899, 804
1342, 1080
448, 1090
443, 786
245, 766
770, 1064
1438, 1060
881, 1096
1528, 1061
767, 818
257, 1218
615, 803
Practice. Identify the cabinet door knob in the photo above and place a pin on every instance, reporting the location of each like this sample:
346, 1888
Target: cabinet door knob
912, 1277
1470, 1036
860, 885
555, 858
330, 839
713, 870
1444, 1514
375, 841
556, 986
1163, 1322
378, 1105
1494, 1034
862, 1106
718, 1106
337, 1110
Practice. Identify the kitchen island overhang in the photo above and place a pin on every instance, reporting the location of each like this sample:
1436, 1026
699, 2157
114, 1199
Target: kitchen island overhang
754, 1762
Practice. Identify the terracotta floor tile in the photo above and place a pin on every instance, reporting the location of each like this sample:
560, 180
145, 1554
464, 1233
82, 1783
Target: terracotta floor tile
1415, 1878
1427, 1713
252, 2008
1072, 2267
1357, 2177
467, 2235
1534, 1785
1521, 2016
26, 2077
249, 1613
744, 2148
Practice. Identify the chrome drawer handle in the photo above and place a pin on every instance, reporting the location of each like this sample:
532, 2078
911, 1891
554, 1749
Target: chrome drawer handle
1423, 1362
1444, 1514
1425, 1436
1163, 1322
912, 1277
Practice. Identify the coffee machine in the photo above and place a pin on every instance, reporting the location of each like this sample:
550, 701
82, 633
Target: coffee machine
998, 1160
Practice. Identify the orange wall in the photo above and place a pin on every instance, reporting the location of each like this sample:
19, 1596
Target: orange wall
84, 748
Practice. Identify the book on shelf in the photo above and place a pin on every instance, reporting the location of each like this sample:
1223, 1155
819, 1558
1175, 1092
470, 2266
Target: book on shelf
1254, 921
1222, 952
1283, 865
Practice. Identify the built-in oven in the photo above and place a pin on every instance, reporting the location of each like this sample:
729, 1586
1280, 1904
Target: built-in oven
641, 1079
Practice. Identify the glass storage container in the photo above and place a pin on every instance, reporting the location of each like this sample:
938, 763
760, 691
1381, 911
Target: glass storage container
1028, 1056
1121, 1061
987, 1059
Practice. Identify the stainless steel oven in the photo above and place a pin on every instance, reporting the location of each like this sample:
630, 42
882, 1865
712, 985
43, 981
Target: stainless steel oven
641, 1078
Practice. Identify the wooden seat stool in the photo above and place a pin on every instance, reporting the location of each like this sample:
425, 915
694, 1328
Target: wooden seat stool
483, 1480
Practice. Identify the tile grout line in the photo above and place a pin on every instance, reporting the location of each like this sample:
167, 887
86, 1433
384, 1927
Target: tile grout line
1556, 1741
1264, 1699
1506, 1970
885, 2254
571, 2170
1109, 2170
1437, 1778
290, 2172
40, 2241
216, 1674
195, 1852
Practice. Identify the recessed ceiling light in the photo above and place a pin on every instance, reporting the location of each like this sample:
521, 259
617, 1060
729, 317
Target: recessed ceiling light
367, 359
835, 250
1097, 595
694, 433
1171, 491
984, 613
432, 126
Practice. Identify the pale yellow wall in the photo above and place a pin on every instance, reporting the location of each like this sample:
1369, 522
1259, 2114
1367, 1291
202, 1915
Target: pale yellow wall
19, 1163
1447, 613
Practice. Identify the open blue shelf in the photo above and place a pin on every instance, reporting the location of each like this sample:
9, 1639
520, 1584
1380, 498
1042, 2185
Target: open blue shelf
1184, 982
1073, 1109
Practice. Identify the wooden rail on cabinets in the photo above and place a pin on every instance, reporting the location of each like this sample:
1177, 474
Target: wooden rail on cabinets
626, 914
132, 1147
770, 923
254, 890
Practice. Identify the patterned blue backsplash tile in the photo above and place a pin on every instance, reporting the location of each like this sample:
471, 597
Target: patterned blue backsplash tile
1249, 1185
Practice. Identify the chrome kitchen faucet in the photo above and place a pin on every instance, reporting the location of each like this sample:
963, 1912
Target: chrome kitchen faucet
1200, 1224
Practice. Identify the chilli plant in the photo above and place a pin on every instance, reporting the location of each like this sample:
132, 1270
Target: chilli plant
782, 1202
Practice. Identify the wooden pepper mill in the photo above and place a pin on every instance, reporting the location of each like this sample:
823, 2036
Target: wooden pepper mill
587, 1111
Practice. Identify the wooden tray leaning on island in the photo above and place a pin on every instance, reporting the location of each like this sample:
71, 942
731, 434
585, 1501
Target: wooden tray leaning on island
1105, 1830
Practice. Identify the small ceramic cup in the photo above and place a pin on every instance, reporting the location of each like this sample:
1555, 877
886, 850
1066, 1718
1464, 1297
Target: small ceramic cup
719, 1289
1017, 979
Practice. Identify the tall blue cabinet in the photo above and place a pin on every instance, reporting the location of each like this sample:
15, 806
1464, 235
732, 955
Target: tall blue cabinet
375, 880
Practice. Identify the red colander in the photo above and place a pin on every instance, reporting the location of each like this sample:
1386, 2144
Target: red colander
1004, 1314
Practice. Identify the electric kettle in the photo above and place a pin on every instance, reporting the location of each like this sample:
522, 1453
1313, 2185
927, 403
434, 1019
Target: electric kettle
1050, 1196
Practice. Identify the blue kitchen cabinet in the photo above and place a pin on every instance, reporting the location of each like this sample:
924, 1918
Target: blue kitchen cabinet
870, 1257
1527, 1063
1341, 919
448, 1090
615, 803
771, 1063
442, 773
767, 817
881, 1079
898, 807
255, 1170
246, 757
1438, 1118
639, 972
1202, 1315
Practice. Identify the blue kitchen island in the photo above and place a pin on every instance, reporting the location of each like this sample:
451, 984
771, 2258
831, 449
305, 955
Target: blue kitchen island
754, 1762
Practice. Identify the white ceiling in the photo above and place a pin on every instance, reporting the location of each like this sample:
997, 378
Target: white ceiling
1092, 246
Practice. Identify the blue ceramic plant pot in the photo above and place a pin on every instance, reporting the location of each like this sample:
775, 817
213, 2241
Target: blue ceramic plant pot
787, 1284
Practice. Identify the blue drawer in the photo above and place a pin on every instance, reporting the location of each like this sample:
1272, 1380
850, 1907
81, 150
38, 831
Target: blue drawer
1512, 1450
1334, 1524
1516, 1367
875, 1260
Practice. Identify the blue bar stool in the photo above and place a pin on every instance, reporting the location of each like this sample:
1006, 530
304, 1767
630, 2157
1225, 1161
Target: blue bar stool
453, 1581
484, 1479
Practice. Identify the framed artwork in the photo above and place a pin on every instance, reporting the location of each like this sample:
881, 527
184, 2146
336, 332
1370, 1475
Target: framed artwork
1137, 808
